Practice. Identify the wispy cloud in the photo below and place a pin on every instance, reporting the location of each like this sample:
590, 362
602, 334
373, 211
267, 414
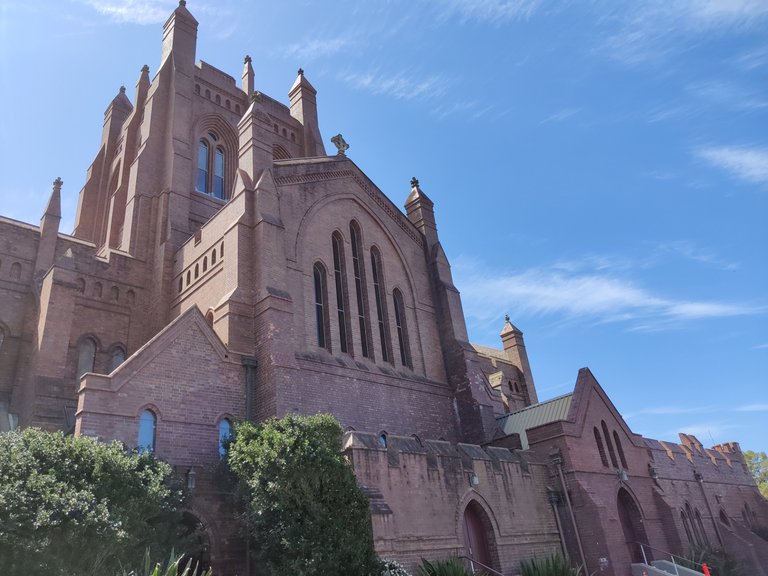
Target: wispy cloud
753, 408
655, 28
401, 85
670, 410
690, 251
760, 347
134, 11
317, 48
561, 115
749, 164
599, 296
489, 11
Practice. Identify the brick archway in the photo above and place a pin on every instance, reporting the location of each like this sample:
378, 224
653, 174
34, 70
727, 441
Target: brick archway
632, 525
479, 539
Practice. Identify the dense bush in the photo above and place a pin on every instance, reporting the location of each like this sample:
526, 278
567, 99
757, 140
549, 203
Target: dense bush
77, 506
304, 510
176, 566
449, 567
554, 565
389, 567
719, 561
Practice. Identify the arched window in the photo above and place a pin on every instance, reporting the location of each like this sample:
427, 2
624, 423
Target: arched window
147, 425
381, 305
383, 439
687, 527
203, 155
225, 431
210, 166
402, 328
86, 356
600, 448
700, 528
610, 446
620, 450
321, 306
341, 289
116, 358
358, 267
2, 337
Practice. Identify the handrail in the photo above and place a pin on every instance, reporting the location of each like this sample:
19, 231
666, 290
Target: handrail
472, 563
644, 545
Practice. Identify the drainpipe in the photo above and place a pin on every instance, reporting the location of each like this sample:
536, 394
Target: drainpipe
554, 499
557, 460
700, 479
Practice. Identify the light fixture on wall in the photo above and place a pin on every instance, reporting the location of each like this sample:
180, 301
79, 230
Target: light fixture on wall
621, 474
473, 479
191, 479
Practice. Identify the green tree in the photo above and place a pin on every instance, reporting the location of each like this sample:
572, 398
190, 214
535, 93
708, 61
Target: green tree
758, 465
71, 505
304, 510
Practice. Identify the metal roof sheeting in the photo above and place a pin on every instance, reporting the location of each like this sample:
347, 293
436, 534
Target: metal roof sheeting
535, 415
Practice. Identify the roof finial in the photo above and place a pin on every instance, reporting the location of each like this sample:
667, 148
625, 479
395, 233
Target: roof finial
506, 318
414, 182
122, 89
57, 184
182, 2
247, 59
256, 96
300, 72
145, 68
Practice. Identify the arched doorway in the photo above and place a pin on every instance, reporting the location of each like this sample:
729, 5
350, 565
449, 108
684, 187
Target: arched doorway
479, 542
632, 525
196, 543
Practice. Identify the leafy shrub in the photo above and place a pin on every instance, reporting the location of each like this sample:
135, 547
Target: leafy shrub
389, 567
73, 505
304, 510
555, 565
172, 568
719, 561
449, 567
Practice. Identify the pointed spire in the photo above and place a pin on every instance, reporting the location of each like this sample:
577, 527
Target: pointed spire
303, 97
121, 101
417, 194
301, 82
248, 76
142, 86
509, 328
180, 37
53, 209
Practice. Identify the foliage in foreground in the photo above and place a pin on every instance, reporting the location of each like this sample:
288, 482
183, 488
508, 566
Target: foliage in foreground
554, 565
757, 462
176, 566
448, 567
304, 510
72, 505
389, 567
719, 561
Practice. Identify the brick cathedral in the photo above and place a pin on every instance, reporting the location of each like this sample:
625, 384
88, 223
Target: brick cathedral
225, 266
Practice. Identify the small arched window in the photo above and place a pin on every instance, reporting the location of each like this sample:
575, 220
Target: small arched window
340, 282
358, 267
205, 263
210, 166
687, 527
321, 306
704, 539
620, 450
225, 433
86, 356
402, 328
213, 257
609, 444
147, 425
383, 439
381, 305
2, 337
600, 448
116, 358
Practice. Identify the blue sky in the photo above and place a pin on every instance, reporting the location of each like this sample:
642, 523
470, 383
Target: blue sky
599, 168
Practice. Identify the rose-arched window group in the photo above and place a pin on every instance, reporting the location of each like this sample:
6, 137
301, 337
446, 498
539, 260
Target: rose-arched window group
211, 161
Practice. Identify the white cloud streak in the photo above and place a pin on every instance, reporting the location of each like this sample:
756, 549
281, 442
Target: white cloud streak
134, 11
489, 11
316, 48
748, 164
402, 86
597, 296
753, 408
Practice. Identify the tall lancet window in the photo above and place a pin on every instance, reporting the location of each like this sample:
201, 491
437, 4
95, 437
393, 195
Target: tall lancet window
381, 304
402, 328
203, 153
358, 266
211, 162
321, 306
340, 281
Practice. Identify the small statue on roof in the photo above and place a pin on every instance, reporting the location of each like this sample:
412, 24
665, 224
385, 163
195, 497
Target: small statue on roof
414, 182
340, 144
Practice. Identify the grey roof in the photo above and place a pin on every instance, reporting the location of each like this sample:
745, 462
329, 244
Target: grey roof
492, 352
535, 415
